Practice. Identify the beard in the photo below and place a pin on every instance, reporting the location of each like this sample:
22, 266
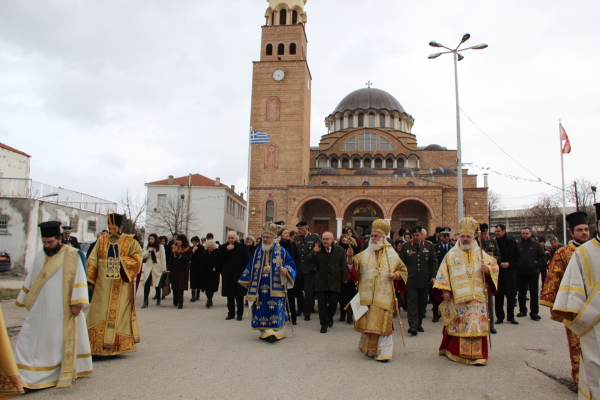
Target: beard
52, 250
267, 247
466, 247
374, 245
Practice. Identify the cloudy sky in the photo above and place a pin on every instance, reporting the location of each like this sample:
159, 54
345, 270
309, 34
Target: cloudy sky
109, 95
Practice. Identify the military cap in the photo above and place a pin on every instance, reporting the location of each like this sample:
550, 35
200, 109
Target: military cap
416, 229
446, 230
483, 228
67, 229
301, 224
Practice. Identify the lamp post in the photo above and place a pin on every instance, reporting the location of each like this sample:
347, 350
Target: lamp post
457, 57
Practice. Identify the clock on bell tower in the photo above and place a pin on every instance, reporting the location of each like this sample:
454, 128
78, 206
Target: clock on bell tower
281, 99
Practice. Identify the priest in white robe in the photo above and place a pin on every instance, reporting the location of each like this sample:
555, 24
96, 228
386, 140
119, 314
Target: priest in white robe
53, 347
578, 302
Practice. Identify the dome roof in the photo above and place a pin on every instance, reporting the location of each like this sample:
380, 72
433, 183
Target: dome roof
402, 170
369, 98
365, 171
328, 171
434, 147
447, 172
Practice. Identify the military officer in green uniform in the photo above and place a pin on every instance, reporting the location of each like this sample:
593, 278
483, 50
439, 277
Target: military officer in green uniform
421, 261
490, 246
305, 242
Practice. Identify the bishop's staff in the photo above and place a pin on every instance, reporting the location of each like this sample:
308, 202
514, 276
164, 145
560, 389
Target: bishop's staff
485, 288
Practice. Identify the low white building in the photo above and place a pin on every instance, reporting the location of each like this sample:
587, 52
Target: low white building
194, 205
14, 169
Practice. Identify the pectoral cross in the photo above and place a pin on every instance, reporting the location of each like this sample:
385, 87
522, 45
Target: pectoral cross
369, 84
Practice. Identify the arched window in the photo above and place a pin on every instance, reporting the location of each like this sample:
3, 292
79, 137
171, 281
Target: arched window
269, 49
345, 163
367, 163
410, 184
400, 162
350, 121
270, 210
385, 144
294, 17
280, 49
371, 120
325, 183
356, 163
283, 17
367, 141
361, 120
392, 122
389, 163
342, 122
378, 163
273, 18
293, 47
350, 144
334, 163
365, 183
382, 120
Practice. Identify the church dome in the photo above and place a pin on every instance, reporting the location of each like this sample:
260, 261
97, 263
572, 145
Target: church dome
328, 171
402, 170
365, 171
434, 147
369, 98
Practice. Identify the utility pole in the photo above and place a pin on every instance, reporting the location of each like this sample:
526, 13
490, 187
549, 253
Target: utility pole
576, 196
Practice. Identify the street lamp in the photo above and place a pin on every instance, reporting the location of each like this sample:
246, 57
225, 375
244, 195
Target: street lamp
457, 57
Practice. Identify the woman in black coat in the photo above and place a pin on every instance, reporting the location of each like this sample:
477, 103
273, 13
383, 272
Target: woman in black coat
295, 294
210, 271
349, 288
197, 251
179, 266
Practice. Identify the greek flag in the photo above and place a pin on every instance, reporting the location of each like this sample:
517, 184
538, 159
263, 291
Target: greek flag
257, 137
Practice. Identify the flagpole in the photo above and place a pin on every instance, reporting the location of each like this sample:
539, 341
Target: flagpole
562, 170
248, 182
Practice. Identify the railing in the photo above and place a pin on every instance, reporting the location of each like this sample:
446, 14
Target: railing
30, 189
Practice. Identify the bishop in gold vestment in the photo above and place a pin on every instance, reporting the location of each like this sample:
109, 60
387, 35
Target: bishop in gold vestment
113, 265
462, 277
377, 268
10, 382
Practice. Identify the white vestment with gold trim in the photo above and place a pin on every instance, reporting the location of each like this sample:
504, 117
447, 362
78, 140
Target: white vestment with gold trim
578, 301
39, 348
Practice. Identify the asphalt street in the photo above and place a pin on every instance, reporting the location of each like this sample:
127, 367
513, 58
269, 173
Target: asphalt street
194, 353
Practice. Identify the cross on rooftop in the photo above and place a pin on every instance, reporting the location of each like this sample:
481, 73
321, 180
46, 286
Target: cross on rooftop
369, 84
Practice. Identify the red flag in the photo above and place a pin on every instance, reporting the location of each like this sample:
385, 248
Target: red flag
563, 136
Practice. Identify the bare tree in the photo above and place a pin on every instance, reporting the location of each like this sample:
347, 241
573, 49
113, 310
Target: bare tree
134, 208
583, 197
494, 203
544, 215
173, 216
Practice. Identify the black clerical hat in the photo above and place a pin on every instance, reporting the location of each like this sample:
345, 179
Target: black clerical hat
118, 219
576, 218
50, 228
597, 207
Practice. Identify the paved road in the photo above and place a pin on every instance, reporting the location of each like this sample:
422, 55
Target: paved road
194, 353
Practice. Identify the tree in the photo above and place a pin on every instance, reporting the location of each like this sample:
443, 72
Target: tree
583, 197
494, 203
133, 208
173, 216
543, 216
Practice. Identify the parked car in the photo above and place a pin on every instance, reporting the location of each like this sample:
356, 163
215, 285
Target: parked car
5, 263
85, 246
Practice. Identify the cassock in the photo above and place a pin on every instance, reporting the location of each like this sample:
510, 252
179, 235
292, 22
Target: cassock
266, 293
112, 320
377, 292
10, 382
53, 347
578, 302
465, 316
556, 271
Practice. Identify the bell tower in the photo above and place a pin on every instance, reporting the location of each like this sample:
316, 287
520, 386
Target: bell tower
281, 100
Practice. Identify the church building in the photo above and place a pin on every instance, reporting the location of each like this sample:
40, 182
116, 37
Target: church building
367, 166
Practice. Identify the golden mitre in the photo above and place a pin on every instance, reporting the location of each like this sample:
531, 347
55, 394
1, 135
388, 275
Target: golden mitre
382, 226
270, 228
468, 224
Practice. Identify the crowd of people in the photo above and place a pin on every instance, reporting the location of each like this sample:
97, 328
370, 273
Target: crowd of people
466, 277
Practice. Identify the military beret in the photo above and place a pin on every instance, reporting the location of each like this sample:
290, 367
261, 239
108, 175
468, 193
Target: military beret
301, 224
483, 227
416, 229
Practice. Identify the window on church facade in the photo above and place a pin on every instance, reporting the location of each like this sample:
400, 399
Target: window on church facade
382, 120
350, 144
365, 183
345, 163
283, 17
400, 162
294, 18
385, 144
361, 120
372, 120
293, 48
269, 49
334, 163
389, 163
378, 163
280, 49
342, 122
325, 183
350, 121
410, 184
392, 122
270, 210
367, 141
356, 163
367, 163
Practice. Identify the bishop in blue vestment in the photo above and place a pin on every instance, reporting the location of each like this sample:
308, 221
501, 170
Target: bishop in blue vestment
269, 273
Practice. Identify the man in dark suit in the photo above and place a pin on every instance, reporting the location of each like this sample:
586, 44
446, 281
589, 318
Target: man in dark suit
68, 239
441, 248
421, 261
435, 238
234, 257
490, 246
507, 280
305, 242
330, 265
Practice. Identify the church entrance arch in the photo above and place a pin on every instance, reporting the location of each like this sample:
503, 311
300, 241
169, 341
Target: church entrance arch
361, 213
411, 212
320, 215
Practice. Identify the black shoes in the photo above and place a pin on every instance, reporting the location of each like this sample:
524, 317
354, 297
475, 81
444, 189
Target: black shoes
145, 304
307, 318
342, 318
435, 319
412, 331
207, 304
512, 321
155, 297
323, 329
521, 314
493, 330
420, 329
158, 302
535, 317
498, 322
229, 317
180, 306
193, 299
330, 323
239, 317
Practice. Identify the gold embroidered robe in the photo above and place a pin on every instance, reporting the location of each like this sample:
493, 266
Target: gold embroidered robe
10, 382
112, 320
